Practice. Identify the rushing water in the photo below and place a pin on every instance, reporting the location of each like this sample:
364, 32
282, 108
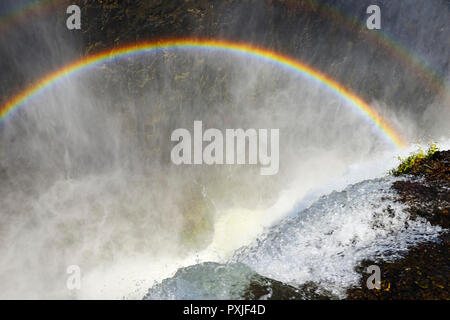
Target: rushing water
322, 244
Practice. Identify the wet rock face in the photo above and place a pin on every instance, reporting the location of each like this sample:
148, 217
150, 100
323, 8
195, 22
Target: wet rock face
429, 200
423, 273
268, 289
317, 34
428, 195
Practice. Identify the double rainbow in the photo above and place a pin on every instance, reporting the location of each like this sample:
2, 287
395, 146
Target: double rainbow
360, 105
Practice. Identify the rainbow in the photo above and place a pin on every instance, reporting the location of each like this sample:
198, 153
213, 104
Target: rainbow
215, 45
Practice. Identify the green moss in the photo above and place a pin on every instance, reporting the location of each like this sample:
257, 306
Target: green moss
407, 164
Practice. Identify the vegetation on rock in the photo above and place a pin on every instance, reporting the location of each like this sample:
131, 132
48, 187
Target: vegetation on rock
414, 160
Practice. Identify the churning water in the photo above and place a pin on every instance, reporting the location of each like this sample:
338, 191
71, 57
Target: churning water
322, 244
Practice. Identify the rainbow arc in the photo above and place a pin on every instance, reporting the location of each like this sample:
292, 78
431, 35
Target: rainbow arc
382, 126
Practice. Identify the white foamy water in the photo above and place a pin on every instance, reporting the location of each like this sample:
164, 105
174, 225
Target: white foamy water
326, 241
322, 238
322, 244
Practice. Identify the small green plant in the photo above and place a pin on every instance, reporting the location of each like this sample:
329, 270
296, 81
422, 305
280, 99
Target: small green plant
408, 163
